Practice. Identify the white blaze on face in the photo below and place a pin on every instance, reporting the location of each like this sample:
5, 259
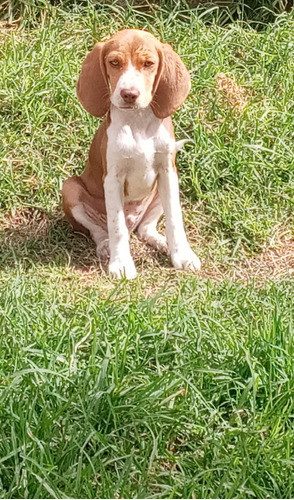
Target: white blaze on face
132, 78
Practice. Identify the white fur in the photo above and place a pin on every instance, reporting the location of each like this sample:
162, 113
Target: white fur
98, 234
121, 262
182, 256
147, 231
139, 150
131, 79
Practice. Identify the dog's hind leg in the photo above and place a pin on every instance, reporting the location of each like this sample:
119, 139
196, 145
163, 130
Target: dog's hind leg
86, 214
98, 234
147, 229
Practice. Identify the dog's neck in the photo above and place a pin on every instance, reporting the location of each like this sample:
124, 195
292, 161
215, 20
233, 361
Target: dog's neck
140, 118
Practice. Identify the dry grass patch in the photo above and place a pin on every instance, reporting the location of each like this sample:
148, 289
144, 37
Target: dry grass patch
274, 263
236, 95
23, 223
7, 26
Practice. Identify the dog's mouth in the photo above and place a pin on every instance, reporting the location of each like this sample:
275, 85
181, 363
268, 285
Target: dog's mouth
129, 107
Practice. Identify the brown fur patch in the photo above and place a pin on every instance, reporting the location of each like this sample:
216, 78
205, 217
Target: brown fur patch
126, 190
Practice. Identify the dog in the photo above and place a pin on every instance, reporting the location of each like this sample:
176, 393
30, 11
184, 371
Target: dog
136, 83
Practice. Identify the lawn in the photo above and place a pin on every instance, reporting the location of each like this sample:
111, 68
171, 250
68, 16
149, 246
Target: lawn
173, 385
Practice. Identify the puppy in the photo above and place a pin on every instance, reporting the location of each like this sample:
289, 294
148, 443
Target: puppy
136, 83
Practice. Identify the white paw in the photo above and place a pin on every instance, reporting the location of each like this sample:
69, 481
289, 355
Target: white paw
186, 259
121, 269
159, 243
155, 240
102, 250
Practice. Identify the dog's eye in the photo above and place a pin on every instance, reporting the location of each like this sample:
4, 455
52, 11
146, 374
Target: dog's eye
114, 62
147, 64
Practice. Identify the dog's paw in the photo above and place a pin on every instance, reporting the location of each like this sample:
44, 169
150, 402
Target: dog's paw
186, 259
157, 241
123, 269
102, 250
160, 244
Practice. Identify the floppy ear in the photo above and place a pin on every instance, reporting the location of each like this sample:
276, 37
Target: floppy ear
173, 83
92, 86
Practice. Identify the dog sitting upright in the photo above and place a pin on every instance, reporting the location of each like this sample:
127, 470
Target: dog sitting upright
131, 177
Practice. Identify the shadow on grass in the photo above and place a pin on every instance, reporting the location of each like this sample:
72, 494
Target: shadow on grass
31, 237
257, 13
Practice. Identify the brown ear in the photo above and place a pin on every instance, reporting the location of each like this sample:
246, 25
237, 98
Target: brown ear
173, 84
92, 86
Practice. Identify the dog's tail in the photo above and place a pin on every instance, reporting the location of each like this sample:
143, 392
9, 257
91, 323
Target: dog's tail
180, 144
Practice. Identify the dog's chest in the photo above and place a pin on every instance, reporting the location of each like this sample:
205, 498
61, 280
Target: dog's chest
138, 144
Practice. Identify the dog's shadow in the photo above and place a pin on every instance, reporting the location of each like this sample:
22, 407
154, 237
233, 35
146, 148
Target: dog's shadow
33, 237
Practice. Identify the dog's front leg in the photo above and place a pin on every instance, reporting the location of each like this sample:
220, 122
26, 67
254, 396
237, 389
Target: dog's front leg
181, 254
121, 263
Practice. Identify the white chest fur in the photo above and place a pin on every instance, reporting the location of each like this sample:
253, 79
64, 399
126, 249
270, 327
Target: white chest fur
138, 143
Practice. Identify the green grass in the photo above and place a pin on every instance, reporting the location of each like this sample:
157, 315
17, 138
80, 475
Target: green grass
238, 173
172, 385
188, 392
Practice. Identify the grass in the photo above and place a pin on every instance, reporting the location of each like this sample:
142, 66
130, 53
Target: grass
189, 392
238, 173
172, 386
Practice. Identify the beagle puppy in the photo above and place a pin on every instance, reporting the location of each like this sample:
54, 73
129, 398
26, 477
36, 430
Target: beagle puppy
136, 83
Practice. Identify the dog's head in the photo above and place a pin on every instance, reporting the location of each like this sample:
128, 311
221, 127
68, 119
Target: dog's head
132, 70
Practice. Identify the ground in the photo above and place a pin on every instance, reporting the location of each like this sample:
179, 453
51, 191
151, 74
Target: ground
174, 385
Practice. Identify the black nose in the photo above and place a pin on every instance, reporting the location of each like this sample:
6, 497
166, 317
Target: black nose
130, 95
